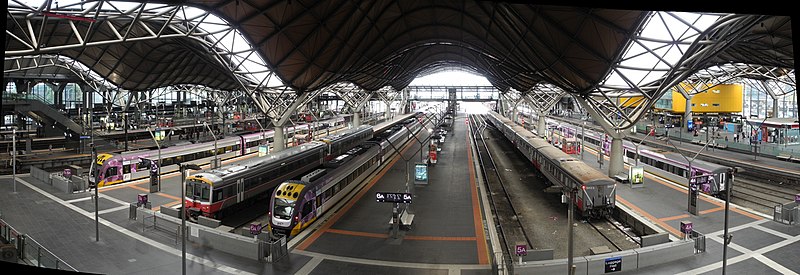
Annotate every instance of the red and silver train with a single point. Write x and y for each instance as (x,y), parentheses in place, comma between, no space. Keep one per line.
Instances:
(216,192)
(595,192)
(296,204)
(710,177)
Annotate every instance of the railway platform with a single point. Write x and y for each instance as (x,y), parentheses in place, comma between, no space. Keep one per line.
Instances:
(759,245)
(446,235)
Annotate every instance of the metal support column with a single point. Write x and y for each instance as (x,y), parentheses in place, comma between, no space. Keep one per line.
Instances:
(615,164)
(279,140)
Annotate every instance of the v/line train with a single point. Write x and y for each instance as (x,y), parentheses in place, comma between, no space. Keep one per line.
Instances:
(217,192)
(595,192)
(666,164)
(296,204)
(116,168)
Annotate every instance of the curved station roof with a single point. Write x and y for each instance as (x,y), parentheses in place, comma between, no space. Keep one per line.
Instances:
(309,45)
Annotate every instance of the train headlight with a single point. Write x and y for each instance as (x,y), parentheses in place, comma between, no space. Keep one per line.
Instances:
(583,187)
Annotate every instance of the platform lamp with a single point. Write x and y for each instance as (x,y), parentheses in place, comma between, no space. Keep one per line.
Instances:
(183,168)
(727,237)
(159,156)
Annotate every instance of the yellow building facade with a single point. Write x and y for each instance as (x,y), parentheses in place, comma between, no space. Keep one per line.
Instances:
(722,98)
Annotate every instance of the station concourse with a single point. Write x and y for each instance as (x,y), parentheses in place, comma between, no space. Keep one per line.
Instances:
(398,137)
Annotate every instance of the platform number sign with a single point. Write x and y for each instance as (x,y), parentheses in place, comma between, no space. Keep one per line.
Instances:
(613,264)
(522,250)
(255,228)
(687,227)
(466,121)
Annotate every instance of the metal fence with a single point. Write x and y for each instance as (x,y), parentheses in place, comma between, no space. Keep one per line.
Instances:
(787,213)
(274,250)
(29,251)
(699,242)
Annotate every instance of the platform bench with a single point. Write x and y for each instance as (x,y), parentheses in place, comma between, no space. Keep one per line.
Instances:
(784,156)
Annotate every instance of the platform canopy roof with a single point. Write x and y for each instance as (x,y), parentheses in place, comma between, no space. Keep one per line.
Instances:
(310,44)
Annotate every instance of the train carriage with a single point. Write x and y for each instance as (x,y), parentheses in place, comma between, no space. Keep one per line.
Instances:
(218,191)
(296,204)
(116,168)
(668,164)
(595,191)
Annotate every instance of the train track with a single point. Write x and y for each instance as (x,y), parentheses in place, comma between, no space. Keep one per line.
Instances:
(761,196)
(612,224)
(511,230)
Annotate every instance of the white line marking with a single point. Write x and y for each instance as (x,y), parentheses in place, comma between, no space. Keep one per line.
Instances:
(773,232)
(772,264)
(79,199)
(737,228)
(134,235)
(745,256)
(308,267)
(118,201)
(118,208)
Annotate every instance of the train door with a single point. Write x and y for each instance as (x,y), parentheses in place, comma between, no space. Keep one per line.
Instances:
(126,170)
(240,190)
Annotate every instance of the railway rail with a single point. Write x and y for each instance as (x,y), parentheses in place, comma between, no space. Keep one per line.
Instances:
(511,229)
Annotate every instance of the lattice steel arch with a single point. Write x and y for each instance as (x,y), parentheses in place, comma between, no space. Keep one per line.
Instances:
(198,40)
(617,106)
(60,64)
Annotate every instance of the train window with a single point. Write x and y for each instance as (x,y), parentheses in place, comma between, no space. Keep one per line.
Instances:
(307,207)
(189,188)
(112,171)
(205,194)
(219,195)
(142,166)
(126,169)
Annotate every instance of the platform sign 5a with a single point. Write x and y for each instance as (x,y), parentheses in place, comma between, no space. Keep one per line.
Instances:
(613,264)
(393,197)
(521,249)
(255,228)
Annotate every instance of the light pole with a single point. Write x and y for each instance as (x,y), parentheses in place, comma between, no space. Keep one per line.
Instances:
(726,236)
(216,159)
(183,212)
(159,157)
(96,195)
(14,158)
(570,267)
(583,137)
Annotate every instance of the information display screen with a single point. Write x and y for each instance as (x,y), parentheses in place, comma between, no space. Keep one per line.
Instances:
(393,197)
(636,174)
(421,172)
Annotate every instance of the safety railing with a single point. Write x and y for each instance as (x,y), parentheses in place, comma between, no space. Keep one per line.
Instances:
(29,251)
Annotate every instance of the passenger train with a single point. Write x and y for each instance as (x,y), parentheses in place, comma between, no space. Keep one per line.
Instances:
(296,204)
(596,192)
(116,168)
(664,163)
(217,192)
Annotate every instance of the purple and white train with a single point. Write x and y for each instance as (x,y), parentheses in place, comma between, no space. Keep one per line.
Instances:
(116,168)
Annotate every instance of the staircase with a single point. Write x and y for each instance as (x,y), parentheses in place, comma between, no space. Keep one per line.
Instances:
(41,112)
